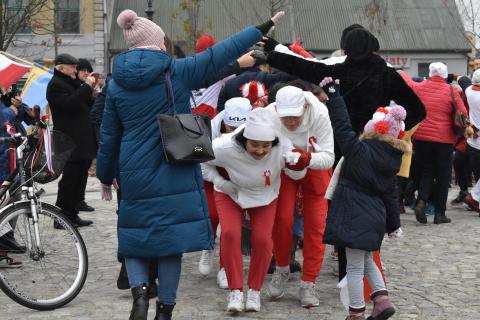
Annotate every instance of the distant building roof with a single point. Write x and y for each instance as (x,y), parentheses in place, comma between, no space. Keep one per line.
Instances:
(421,25)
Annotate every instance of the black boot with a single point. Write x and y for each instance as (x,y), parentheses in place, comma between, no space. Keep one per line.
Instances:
(164,311)
(294,264)
(441,218)
(140,303)
(461,196)
(122,280)
(420,212)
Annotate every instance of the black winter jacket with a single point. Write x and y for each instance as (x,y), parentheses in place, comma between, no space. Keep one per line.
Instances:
(365,86)
(69,104)
(364,205)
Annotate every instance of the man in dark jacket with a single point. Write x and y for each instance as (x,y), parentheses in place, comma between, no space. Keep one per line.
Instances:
(68,102)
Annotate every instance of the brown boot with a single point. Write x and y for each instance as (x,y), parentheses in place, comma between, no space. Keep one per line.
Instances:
(356,314)
(383,308)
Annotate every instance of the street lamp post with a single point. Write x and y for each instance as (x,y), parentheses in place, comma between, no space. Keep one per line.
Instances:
(149,10)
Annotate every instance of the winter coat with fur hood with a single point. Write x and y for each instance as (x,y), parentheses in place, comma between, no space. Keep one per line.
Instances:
(364,206)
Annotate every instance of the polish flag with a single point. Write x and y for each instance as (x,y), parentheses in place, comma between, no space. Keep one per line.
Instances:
(11,71)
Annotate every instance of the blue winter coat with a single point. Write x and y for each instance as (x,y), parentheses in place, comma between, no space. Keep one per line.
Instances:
(163,210)
(364,205)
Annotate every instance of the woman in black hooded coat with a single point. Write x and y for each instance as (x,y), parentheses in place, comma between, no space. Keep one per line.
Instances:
(365,79)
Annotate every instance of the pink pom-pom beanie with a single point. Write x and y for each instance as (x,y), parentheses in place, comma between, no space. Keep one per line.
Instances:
(139,31)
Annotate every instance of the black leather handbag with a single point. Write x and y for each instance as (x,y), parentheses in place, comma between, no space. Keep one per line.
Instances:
(186,138)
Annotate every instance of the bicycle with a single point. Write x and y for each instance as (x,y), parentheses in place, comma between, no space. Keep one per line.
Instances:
(54,261)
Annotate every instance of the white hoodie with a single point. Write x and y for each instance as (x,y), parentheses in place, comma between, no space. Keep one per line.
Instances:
(315,134)
(249,176)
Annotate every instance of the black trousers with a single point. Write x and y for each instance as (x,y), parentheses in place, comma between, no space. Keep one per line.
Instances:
(84,182)
(462,169)
(474,161)
(435,164)
(71,185)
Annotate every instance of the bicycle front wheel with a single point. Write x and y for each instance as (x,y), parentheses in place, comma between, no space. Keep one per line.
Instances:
(40,270)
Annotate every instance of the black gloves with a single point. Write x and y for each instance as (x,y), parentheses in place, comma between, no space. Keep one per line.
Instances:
(270,44)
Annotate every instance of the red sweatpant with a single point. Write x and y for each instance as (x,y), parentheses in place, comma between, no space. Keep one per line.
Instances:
(261,220)
(212,209)
(315,207)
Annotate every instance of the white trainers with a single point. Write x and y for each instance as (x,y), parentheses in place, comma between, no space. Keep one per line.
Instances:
(276,287)
(206,262)
(235,301)
(222,279)
(307,295)
(253,301)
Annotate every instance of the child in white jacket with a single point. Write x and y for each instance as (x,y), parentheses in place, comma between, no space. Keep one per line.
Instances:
(253,157)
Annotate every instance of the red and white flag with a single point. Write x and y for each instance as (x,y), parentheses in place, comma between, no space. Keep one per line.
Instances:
(11,71)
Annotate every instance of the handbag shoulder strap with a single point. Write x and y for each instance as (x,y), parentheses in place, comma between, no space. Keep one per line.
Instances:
(171,96)
(454,104)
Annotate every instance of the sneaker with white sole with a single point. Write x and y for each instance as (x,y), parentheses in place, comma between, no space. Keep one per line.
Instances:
(253,301)
(235,301)
(206,262)
(222,279)
(307,295)
(276,287)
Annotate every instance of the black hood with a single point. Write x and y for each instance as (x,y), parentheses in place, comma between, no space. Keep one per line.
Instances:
(360,45)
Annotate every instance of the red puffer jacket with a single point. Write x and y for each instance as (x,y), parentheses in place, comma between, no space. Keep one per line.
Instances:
(435,95)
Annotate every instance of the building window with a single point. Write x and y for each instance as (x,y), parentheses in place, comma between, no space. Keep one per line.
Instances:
(15,9)
(68,16)
(423,69)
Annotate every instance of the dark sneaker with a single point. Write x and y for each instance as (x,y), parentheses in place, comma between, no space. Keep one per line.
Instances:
(79,222)
(441,219)
(83,206)
(460,197)
(420,212)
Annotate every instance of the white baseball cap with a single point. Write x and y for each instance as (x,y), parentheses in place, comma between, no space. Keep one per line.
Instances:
(289,101)
(260,125)
(236,111)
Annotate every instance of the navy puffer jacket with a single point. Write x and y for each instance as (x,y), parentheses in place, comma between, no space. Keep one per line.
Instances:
(163,210)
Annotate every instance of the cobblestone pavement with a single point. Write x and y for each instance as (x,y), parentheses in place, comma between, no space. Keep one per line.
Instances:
(433,273)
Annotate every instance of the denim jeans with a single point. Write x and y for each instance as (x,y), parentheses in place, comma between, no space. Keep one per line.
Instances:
(298,226)
(359,263)
(168,275)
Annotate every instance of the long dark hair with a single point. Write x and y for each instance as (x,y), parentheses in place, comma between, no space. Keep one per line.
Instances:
(243,141)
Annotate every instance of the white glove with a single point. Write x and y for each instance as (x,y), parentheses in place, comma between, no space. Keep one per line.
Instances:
(106,192)
(291,157)
(279,15)
(396,234)
(227,187)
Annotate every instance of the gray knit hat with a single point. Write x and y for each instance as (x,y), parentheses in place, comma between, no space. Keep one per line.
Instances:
(139,31)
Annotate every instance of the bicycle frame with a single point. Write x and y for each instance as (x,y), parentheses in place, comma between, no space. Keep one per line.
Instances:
(20,178)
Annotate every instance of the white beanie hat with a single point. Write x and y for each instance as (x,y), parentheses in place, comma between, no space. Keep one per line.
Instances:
(290,101)
(260,125)
(476,78)
(236,111)
(438,69)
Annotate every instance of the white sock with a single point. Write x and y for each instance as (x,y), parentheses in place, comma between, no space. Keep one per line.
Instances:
(283,269)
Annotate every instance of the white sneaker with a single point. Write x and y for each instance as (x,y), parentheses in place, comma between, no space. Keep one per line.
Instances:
(308,295)
(276,287)
(253,301)
(222,279)
(235,301)
(206,262)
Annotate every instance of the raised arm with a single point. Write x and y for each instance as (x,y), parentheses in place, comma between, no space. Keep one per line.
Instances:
(403,95)
(307,70)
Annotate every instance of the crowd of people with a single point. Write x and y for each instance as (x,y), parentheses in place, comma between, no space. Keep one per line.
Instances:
(326,152)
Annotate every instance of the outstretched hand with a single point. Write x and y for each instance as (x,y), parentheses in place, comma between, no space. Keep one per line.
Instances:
(331,87)
(266,26)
